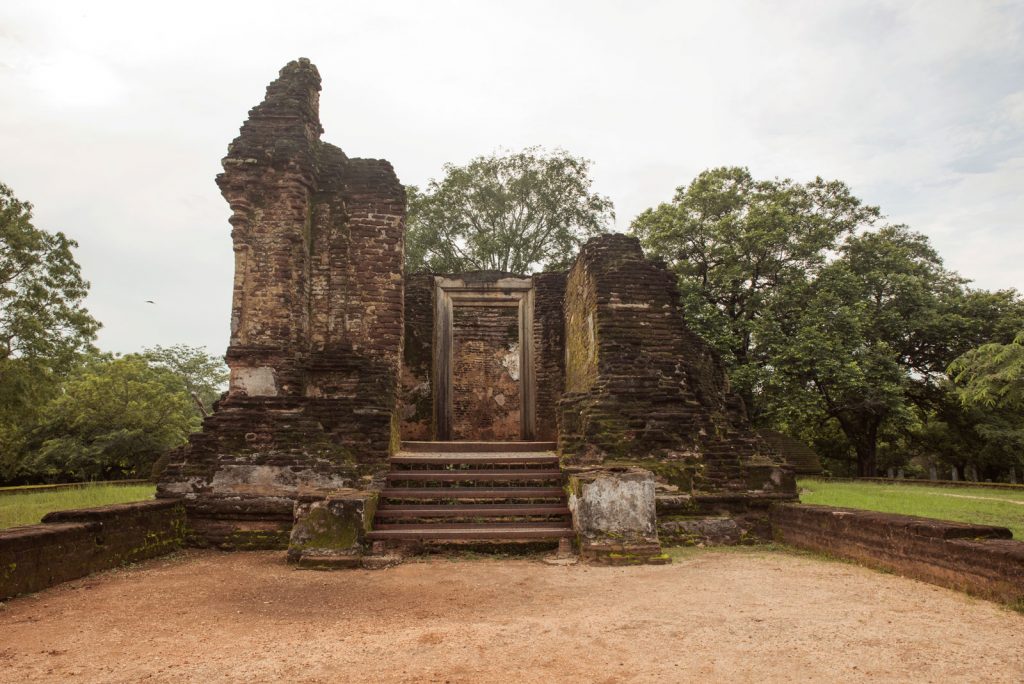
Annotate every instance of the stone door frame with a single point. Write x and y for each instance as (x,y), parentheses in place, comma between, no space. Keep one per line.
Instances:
(511,292)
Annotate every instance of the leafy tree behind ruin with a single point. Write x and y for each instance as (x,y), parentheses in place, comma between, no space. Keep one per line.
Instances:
(42,316)
(870,337)
(44,325)
(68,412)
(113,418)
(203,376)
(739,243)
(515,213)
(834,326)
(992,375)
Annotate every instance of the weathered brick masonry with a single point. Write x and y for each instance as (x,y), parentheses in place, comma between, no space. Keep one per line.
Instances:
(549,347)
(418,361)
(979,559)
(486,373)
(642,390)
(71,544)
(316,326)
(480,323)
(334,353)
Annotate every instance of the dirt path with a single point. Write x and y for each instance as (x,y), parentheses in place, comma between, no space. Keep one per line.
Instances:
(982,498)
(712,616)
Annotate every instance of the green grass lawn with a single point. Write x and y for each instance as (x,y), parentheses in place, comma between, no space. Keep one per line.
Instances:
(964,504)
(30,507)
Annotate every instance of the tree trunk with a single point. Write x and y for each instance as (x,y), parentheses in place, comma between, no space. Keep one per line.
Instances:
(862,431)
(867,458)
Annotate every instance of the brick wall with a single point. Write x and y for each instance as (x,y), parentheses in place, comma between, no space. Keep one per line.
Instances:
(979,559)
(549,349)
(316,328)
(417,400)
(75,543)
(485,373)
(641,388)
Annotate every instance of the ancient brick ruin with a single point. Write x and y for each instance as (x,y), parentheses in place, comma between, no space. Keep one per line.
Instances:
(371,411)
(368,405)
(316,326)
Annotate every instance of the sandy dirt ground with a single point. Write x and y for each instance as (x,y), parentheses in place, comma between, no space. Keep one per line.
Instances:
(711,616)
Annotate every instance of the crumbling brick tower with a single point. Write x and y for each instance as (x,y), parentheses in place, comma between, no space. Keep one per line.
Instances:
(644,393)
(316,326)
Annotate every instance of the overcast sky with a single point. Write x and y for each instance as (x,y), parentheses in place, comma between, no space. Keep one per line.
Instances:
(114,116)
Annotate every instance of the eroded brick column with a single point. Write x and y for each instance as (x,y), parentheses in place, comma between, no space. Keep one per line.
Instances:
(316,327)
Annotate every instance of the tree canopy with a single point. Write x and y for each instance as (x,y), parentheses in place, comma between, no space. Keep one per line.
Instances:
(67,411)
(114,418)
(42,316)
(513,213)
(738,243)
(44,326)
(992,375)
(835,326)
(867,336)
(203,376)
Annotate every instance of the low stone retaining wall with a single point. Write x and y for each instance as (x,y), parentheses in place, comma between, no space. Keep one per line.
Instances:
(35,489)
(978,559)
(74,543)
(926,483)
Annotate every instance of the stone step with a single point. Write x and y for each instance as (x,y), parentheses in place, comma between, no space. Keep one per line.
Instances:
(426,511)
(480,493)
(473,532)
(474,524)
(474,458)
(478,447)
(478,475)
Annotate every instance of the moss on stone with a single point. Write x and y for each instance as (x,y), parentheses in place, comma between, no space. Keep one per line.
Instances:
(678,473)
(395,443)
(256,540)
(328,531)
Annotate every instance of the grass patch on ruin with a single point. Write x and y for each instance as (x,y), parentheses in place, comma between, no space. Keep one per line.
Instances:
(976,505)
(28,508)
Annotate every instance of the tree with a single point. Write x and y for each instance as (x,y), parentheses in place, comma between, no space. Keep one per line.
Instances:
(992,375)
(513,213)
(958,434)
(44,326)
(871,336)
(832,327)
(113,419)
(738,243)
(41,290)
(202,375)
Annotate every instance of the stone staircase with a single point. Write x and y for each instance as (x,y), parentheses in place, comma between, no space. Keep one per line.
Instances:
(473,492)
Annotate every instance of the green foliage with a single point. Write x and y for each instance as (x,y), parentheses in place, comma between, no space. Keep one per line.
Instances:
(865,336)
(44,326)
(204,376)
(66,411)
(738,243)
(992,375)
(513,213)
(951,433)
(41,290)
(834,329)
(113,419)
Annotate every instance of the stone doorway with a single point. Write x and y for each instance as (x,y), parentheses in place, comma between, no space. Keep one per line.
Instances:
(483,358)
